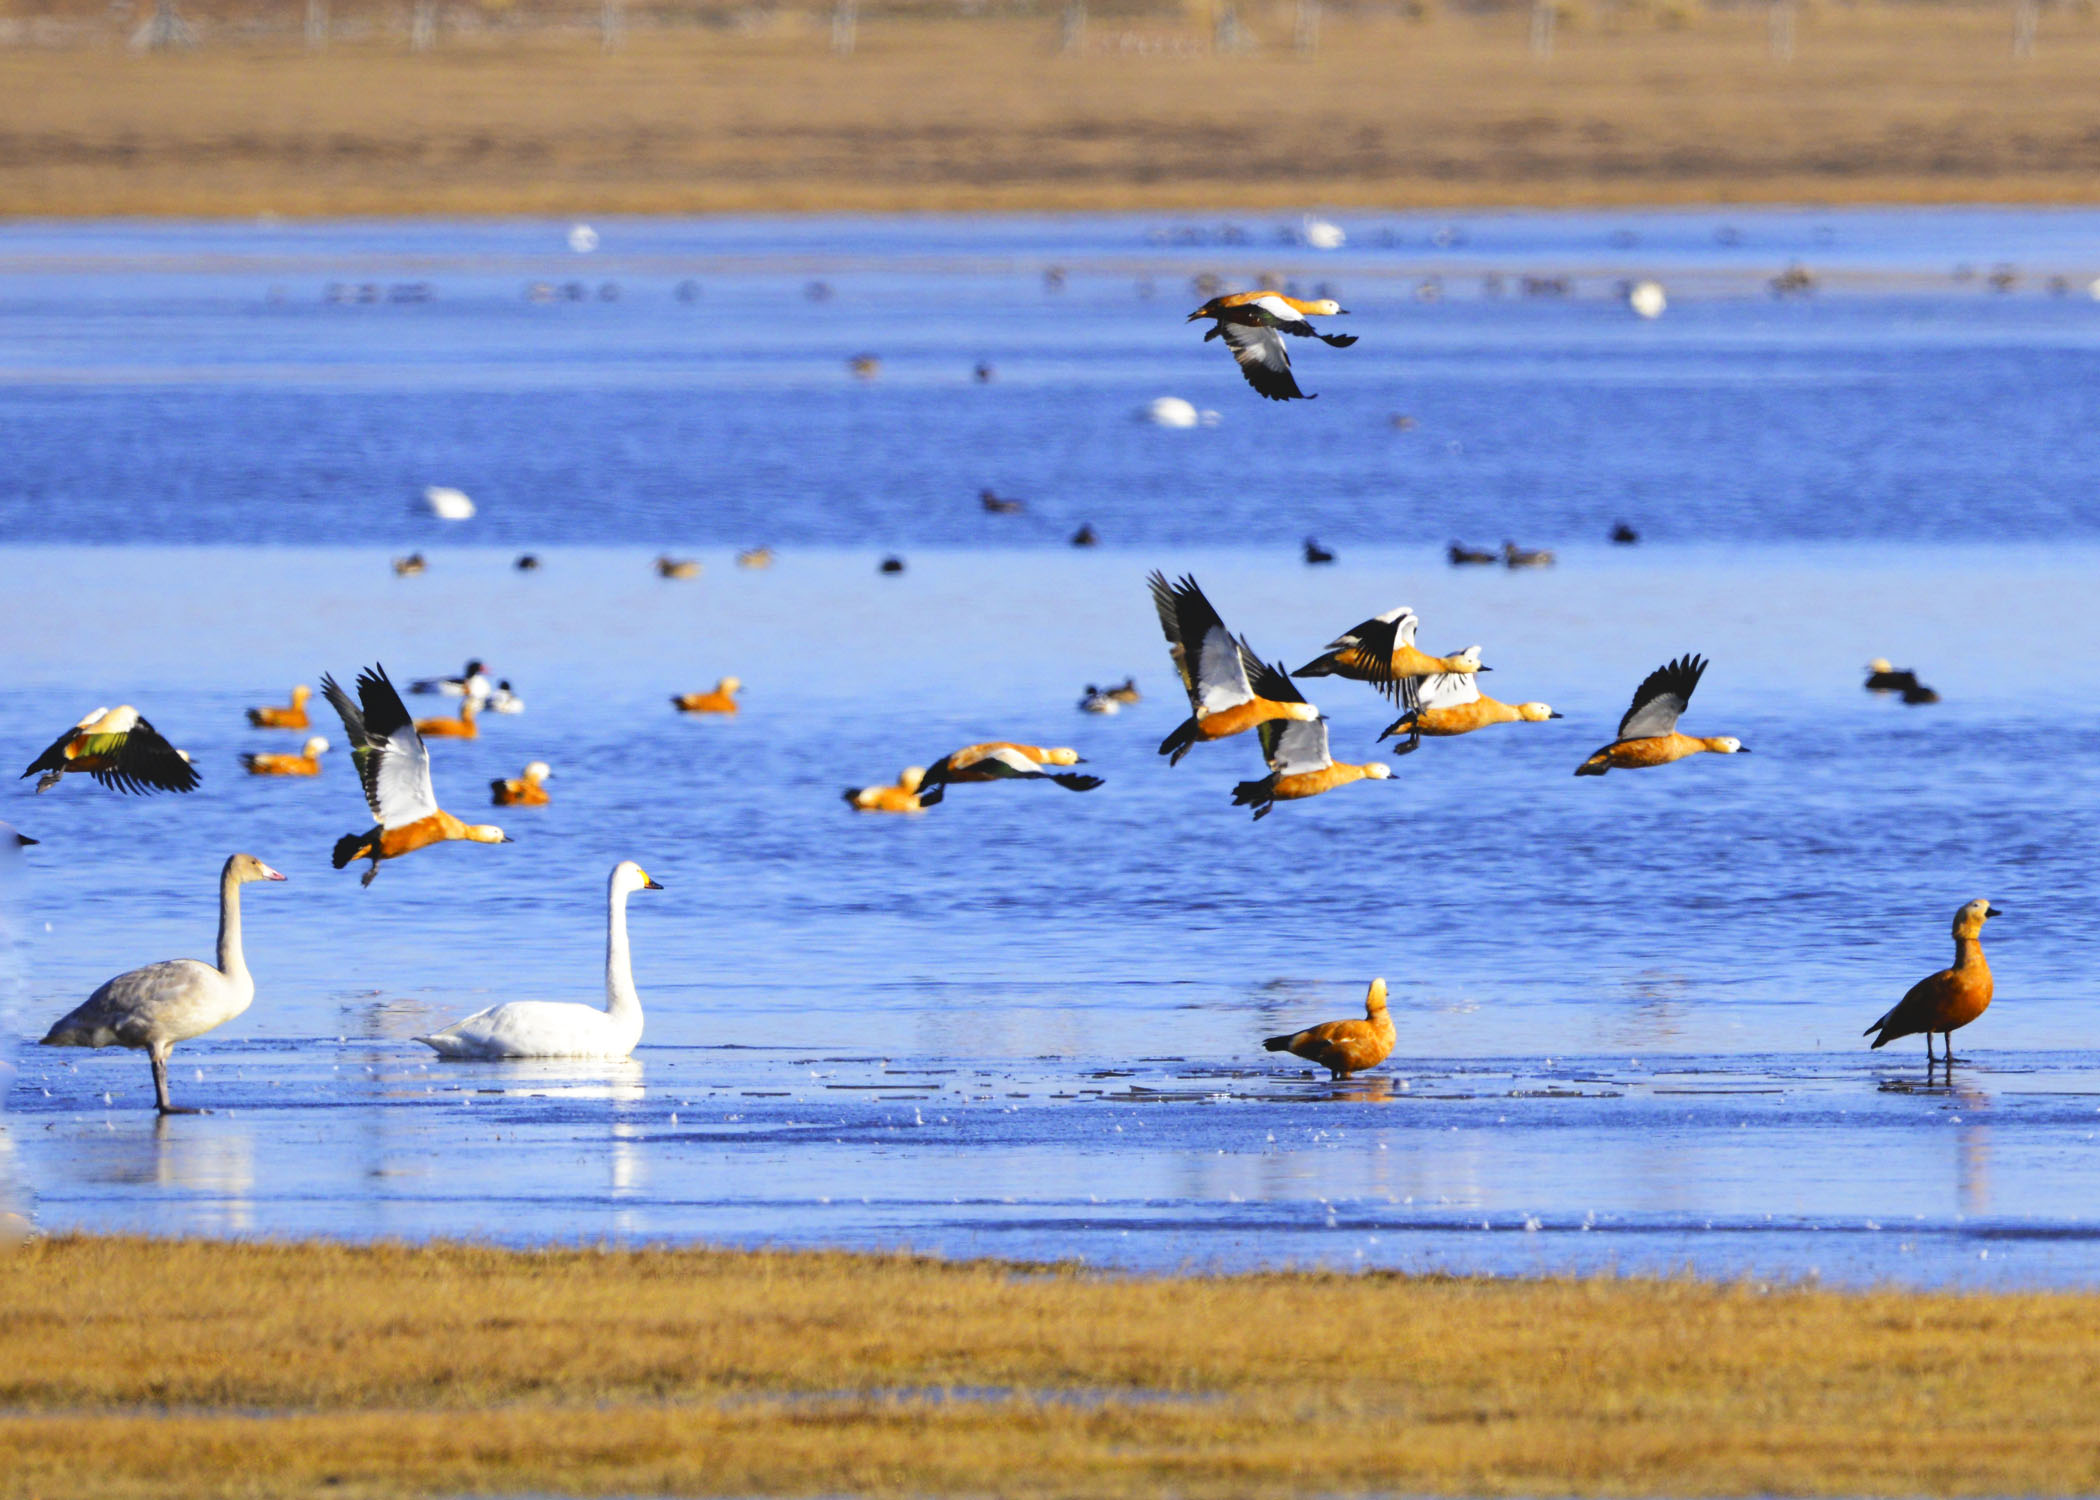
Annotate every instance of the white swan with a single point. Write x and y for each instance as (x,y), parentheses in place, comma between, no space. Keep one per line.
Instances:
(162,1004)
(547,1028)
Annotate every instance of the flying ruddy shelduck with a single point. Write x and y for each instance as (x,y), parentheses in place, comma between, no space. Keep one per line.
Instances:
(528,790)
(903,797)
(394,766)
(1231,690)
(1345,1047)
(118,748)
(294,717)
(1300,766)
(1452,703)
(155,1007)
(1382,652)
(1003,760)
(720,700)
(1254,324)
(1949,1000)
(306,763)
(1648,734)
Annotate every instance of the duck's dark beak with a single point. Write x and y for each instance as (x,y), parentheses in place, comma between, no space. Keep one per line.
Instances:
(1992,911)
(25,840)
(650,885)
(1742,749)
(1556,716)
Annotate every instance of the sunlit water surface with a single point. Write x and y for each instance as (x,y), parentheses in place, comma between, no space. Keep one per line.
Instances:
(1028,1022)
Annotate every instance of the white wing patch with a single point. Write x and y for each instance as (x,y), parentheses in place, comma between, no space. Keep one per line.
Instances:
(1221,678)
(1301,748)
(401,786)
(1447,690)
(1277,308)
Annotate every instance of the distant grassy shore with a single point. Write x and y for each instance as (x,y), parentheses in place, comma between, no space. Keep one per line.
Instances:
(197,1368)
(1641,102)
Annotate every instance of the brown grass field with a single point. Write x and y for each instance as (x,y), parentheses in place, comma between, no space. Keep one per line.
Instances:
(193,1368)
(1637,105)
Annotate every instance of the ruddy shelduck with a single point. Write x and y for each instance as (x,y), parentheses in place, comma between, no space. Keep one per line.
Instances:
(1253,325)
(1300,766)
(1231,690)
(677,567)
(1452,703)
(121,750)
(1949,1000)
(409,566)
(1125,691)
(527,790)
(1648,734)
(1345,1047)
(153,1008)
(393,764)
(722,700)
(1382,652)
(903,797)
(306,763)
(755,557)
(1003,760)
(294,717)
(461,728)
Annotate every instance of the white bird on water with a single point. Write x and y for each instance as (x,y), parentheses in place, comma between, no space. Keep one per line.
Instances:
(548,1028)
(447,503)
(165,1003)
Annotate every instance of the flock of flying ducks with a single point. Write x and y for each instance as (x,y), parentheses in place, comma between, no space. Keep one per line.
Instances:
(1230,690)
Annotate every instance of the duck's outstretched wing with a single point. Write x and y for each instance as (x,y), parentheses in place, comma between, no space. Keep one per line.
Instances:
(54,757)
(1662,698)
(1447,690)
(1267,680)
(1203,650)
(1296,747)
(1263,359)
(392,763)
(1369,647)
(140,760)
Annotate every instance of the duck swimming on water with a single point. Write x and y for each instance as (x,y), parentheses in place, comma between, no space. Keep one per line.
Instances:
(461,728)
(1345,1047)
(1883,678)
(293,717)
(1648,734)
(1231,690)
(306,763)
(903,797)
(1949,1000)
(721,700)
(527,790)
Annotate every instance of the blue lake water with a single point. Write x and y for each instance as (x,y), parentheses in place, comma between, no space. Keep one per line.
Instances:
(1028,1022)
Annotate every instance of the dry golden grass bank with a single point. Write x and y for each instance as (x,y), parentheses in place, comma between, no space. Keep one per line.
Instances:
(198,1368)
(1918,103)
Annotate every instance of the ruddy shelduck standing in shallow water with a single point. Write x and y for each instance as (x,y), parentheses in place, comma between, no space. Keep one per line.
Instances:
(903,797)
(1452,703)
(1949,1000)
(1253,325)
(722,700)
(294,717)
(119,749)
(528,790)
(306,763)
(1300,766)
(1230,689)
(1345,1047)
(1003,760)
(1648,734)
(394,766)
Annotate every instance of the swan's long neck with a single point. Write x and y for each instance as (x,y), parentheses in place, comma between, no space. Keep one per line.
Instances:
(621,1002)
(231,963)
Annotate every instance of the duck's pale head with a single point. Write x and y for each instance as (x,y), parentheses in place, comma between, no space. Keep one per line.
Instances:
(1535,713)
(1727,744)
(730,685)
(1061,756)
(1377,770)
(539,770)
(1880,664)
(1969,920)
(1326,307)
(911,777)
(313,747)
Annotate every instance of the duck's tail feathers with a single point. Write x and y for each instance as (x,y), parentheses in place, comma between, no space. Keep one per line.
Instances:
(351,846)
(1259,795)
(1319,666)
(1177,744)
(1881,1026)
(1407,723)
(1596,765)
